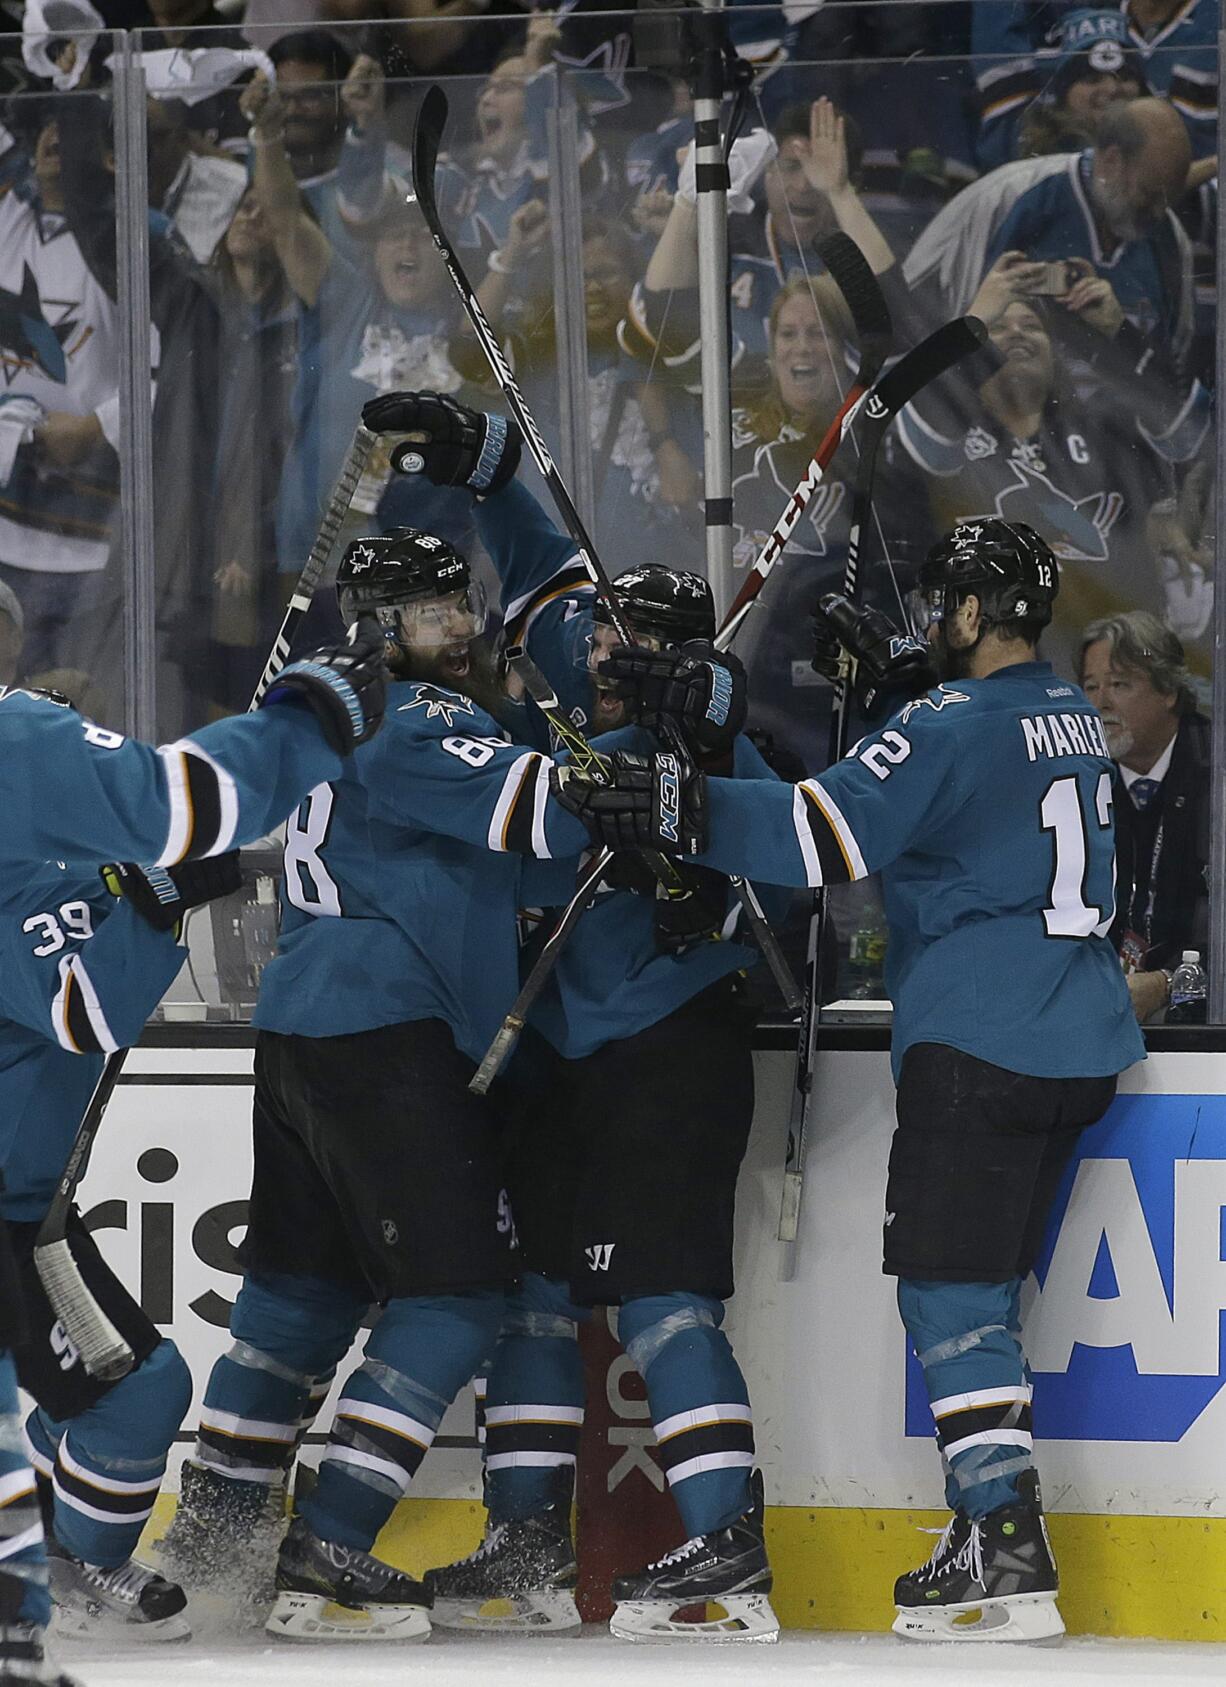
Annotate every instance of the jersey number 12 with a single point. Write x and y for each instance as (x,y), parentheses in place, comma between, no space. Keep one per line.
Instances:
(1062,813)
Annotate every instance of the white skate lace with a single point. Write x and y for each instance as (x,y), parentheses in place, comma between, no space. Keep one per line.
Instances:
(124,1581)
(679,1554)
(969,1555)
(488,1545)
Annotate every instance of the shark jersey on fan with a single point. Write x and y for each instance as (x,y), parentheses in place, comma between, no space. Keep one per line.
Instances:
(611,980)
(80,972)
(986,806)
(404,877)
(59,345)
(75,792)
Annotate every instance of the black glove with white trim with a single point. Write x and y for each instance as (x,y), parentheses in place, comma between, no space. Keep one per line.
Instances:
(162,895)
(886,667)
(698,688)
(345,684)
(448,442)
(650,802)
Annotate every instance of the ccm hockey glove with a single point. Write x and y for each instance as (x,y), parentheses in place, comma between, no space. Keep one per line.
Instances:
(451,444)
(886,667)
(649,802)
(162,895)
(700,690)
(345,684)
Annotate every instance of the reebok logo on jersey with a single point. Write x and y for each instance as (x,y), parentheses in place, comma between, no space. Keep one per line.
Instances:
(599,1255)
(943,700)
(435,701)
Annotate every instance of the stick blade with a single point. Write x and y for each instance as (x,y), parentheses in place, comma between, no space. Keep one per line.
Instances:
(860,288)
(428,127)
(924,363)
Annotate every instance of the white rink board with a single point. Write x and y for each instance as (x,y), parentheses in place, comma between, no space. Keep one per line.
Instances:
(823,1351)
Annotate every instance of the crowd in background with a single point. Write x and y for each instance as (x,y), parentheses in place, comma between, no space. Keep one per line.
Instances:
(1049,167)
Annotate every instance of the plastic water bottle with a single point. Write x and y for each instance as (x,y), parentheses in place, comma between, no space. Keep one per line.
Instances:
(866,960)
(1189,990)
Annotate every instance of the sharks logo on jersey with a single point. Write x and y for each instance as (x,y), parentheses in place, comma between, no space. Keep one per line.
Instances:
(1077,529)
(437,702)
(28,340)
(945,697)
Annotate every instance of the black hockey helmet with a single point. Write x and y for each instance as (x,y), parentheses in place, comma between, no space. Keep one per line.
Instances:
(1005,564)
(666,603)
(383,574)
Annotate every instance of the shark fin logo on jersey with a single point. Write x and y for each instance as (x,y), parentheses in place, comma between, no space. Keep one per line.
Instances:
(27,339)
(1077,529)
(945,697)
(437,702)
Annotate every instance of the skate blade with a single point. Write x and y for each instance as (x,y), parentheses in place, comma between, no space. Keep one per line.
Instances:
(739,1619)
(312,1616)
(95,1623)
(522,1613)
(1024,1617)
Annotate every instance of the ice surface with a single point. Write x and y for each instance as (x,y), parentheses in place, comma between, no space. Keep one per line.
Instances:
(593,1660)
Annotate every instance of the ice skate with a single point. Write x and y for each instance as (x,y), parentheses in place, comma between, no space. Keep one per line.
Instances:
(127,1603)
(23,1662)
(326,1591)
(224,1535)
(727,1569)
(521,1579)
(991,1579)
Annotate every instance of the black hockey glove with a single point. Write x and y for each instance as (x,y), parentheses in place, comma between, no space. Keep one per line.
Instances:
(345,684)
(651,802)
(698,688)
(693,914)
(448,442)
(162,895)
(886,667)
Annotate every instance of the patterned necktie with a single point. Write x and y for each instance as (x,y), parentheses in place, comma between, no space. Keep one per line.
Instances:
(1143,792)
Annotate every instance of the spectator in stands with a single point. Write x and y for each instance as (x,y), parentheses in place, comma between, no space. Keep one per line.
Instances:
(1132,668)
(365,328)
(1010,434)
(1110,205)
(195,189)
(1172,44)
(312,66)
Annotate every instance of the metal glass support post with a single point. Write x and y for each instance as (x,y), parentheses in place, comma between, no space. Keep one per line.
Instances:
(569,302)
(1217,828)
(135,391)
(711,174)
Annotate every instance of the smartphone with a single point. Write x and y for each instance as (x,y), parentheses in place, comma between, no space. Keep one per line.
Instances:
(1055,280)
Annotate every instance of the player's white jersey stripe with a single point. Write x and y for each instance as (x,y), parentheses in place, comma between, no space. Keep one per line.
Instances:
(495,1415)
(76,995)
(109,1484)
(98,1513)
(395,1473)
(42,1464)
(179,831)
(264,1474)
(227,800)
(203,803)
(249,1429)
(842,831)
(710,1461)
(18,1543)
(804,837)
(16,1483)
(400,1423)
(700,1416)
(511,787)
(540,797)
(990,1438)
(1017,1393)
(529,1459)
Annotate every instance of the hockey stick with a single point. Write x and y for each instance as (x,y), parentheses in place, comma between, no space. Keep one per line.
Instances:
(871,317)
(923,364)
(104,1352)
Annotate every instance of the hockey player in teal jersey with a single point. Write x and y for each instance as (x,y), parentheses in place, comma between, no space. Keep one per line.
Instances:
(636,1102)
(378,1174)
(74,792)
(985,804)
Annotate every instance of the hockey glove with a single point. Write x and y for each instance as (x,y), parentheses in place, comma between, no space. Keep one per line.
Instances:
(693,914)
(162,895)
(886,667)
(345,684)
(448,443)
(700,690)
(651,802)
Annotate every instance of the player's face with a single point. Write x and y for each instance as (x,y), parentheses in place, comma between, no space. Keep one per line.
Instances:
(608,709)
(438,634)
(1140,720)
(800,358)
